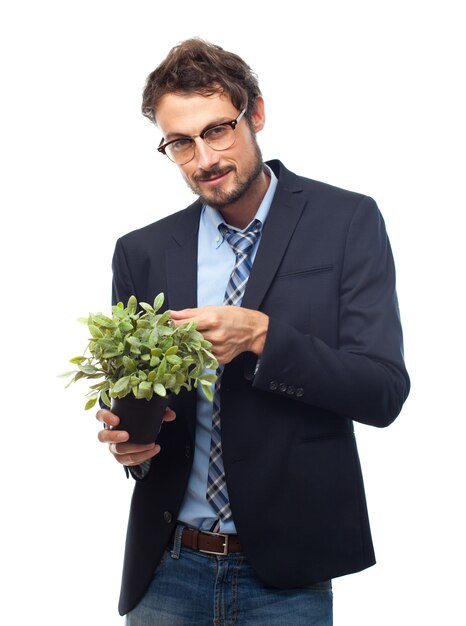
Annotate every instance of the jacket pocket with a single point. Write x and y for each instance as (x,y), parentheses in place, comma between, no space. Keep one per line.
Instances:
(305,271)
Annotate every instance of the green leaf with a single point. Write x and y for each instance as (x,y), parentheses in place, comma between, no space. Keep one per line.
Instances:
(122,385)
(77,377)
(211,364)
(163,319)
(162,369)
(134,343)
(165,331)
(132,305)
(99,386)
(146,307)
(103,320)
(125,326)
(90,403)
(129,364)
(118,311)
(110,354)
(207,390)
(166,344)
(158,301)
(77,359)
(187,327)
(95,332)
(180,377)
(88,369)
(210,378)
(160,390)
(105,398)
(173,359)
(145,386)
(170,381)
(153,337)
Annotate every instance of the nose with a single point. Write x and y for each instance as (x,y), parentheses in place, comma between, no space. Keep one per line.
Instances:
(205,156)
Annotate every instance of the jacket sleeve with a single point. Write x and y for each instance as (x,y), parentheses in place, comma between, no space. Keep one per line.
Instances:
(364,376)
(122,284)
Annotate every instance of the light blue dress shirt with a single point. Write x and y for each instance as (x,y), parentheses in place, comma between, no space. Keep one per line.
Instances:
(215,261)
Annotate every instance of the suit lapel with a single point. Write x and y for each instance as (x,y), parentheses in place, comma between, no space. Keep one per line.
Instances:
(284,214)
(181,260)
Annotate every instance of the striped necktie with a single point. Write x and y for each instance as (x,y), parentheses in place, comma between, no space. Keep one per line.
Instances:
(241,244)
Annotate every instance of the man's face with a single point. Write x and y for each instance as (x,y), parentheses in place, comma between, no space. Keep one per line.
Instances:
(220,178)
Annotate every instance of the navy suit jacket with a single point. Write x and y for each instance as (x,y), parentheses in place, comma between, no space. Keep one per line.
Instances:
(324,274)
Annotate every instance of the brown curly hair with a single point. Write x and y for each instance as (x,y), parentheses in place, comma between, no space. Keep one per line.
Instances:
(197,66)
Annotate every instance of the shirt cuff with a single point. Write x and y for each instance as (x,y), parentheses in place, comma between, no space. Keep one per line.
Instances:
(139,471)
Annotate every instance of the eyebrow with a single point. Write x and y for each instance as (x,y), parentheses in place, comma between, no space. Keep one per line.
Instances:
(175,135)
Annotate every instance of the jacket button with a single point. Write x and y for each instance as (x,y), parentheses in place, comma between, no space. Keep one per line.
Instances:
(299,392)
(290,390)
(283,387)
(273,385)
(187,452)
(168,517)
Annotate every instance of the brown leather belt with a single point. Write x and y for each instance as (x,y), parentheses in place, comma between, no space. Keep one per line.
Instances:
(210,543)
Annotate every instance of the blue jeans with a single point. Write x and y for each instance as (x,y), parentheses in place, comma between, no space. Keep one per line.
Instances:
(203,590)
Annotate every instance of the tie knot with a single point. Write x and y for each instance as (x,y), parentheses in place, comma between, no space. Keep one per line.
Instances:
(241,243)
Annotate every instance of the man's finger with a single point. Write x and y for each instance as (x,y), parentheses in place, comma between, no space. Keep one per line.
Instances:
(169,415)
(112,436)
(184,316)
(129,448)
(128,455)
(107,417)
(183,313)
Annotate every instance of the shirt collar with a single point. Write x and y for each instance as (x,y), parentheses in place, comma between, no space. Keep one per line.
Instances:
(212,218)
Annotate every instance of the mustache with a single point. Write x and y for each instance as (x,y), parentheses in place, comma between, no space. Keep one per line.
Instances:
(215,172)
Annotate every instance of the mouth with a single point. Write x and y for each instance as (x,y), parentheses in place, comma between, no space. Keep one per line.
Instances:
(215,178)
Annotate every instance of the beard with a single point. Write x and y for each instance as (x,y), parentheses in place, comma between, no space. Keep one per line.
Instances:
(219,198)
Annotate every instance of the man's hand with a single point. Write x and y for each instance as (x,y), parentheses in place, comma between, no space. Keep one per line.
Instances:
(230,329)
(127,453)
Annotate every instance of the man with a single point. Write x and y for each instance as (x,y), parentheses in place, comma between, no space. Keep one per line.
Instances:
(247,507)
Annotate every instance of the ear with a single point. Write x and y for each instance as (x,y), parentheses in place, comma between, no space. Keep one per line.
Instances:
(258,116)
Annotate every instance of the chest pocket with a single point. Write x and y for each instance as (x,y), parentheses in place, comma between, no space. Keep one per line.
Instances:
(304,271)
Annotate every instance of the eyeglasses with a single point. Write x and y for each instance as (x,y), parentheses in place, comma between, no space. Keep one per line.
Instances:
(218,137)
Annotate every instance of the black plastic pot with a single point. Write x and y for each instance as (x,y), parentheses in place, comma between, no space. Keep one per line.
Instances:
(142,419)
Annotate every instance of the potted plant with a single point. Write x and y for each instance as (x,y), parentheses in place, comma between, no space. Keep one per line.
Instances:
(142,358)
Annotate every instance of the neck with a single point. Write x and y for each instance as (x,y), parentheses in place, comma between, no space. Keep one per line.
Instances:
(241,212)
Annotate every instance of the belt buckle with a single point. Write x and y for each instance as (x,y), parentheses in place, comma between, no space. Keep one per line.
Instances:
(225,544)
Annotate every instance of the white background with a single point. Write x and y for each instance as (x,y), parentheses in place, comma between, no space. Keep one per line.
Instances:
(368,96)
